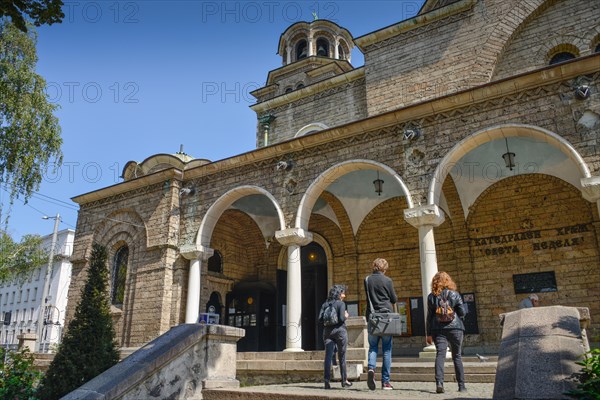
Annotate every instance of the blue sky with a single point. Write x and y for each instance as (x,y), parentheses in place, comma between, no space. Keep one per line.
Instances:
(136,78)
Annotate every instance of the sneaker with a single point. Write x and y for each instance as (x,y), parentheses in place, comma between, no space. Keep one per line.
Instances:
(439,388)
(371,379)
(387,386)
(327,385)
(462,388)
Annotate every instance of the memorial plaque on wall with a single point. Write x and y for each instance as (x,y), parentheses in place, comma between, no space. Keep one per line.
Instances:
(535,282)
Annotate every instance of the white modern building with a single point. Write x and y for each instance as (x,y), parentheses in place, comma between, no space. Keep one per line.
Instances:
(20,301)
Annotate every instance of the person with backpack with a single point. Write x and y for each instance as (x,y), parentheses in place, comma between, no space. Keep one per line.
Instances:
(445,312)
(333,316)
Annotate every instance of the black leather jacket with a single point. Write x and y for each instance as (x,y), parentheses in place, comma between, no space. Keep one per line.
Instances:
(457,305)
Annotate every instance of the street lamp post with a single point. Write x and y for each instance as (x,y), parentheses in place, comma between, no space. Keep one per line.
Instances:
(40,322)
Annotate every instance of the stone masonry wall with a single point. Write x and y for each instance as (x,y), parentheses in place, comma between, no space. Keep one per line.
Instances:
(526,52)
(144,221)
(462,50)
(561,237)
(332,107)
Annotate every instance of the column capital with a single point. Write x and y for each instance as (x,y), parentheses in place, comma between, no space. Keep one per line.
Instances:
(429,214)
(195,252)
(590,188)
(292,236)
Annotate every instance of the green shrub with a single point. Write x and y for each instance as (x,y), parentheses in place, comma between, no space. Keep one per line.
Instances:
(588,387)
(18,378)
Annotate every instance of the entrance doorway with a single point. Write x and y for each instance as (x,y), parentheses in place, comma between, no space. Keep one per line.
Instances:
(314,293)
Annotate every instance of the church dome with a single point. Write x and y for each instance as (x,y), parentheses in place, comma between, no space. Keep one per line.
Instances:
(319,38)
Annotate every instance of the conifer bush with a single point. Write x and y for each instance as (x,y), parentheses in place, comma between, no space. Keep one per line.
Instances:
(88,348)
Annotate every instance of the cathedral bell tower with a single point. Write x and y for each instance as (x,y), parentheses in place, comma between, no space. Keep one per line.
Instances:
(311,52)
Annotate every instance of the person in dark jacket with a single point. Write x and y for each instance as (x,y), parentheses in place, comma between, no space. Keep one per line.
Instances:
(380,290)
(444,333)
(335,335)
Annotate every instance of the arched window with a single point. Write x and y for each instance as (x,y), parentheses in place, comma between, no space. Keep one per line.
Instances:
(341,52)
(322,47)
(215,263)
(561,57)
(119,273)
(288,89)
(301,50)
(300,86)
(597,49)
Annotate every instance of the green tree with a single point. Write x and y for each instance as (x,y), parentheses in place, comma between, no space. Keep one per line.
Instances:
(29,132)
(18,260)
(18,376)
(37,11)
(88,347)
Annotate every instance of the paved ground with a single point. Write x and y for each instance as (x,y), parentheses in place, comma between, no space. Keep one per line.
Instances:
(359,390)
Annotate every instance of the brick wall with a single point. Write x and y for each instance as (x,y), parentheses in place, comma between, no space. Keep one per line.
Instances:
(332,107)
(564,240)
(559,22)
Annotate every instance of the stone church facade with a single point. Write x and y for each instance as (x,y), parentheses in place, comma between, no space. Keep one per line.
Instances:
(468,142)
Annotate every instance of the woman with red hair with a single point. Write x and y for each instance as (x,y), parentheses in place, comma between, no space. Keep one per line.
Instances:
(445,311)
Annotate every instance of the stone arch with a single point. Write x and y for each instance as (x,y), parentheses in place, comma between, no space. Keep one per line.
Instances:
(499,132)
(223,203)
(119,228)
(124,222)
(322,181)
(310,128)
(559,44)
(592,38)
(510,25)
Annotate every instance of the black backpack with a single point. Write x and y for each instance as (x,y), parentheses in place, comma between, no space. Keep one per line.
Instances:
(444,312)
(330,315)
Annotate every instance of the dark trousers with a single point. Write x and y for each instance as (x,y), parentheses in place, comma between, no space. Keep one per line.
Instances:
(441,340)
(332,337)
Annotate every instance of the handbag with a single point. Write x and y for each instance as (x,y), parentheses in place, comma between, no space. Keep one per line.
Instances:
(382,323)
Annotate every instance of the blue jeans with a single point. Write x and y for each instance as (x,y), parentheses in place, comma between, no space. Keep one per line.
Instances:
(386,348)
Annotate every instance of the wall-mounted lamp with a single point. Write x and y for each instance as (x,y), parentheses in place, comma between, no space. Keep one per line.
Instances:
(378,185)
(509,158)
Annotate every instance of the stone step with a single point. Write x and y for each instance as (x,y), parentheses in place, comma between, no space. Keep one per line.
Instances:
(430,377)
(300,355)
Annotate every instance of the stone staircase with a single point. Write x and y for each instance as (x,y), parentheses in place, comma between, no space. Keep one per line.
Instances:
(268,368)
(420,370)
(265,368)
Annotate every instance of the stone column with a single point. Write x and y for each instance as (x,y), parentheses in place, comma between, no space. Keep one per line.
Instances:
(311,46)
(289,50)
(197,254)
(293,238)
(425,218)
(336,53)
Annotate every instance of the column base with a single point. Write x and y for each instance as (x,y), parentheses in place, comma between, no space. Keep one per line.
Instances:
(293,349)
(429,353)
